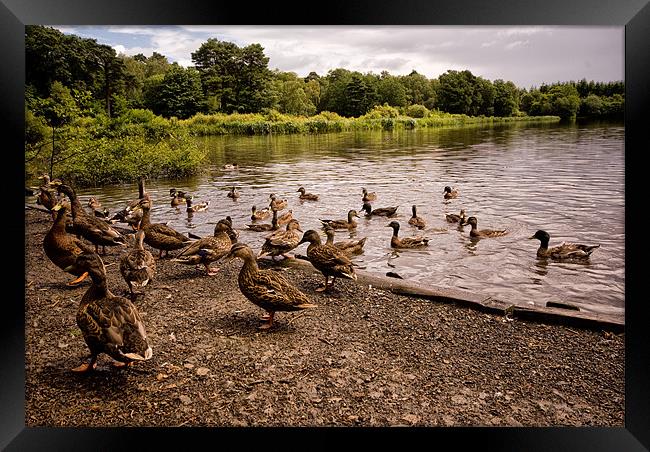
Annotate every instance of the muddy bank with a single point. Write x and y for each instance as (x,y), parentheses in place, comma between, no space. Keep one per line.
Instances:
(364,357)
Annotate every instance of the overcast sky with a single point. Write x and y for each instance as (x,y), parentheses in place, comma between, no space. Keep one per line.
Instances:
(528,56)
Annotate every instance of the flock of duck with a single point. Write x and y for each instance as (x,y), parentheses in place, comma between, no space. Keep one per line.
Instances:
(111,323)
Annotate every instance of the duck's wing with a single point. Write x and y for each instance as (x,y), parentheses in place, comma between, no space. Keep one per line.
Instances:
(272,288)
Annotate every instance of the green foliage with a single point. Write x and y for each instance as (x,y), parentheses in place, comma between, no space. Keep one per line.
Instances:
(381,111)
(179,93)
(417,111)
(391,91)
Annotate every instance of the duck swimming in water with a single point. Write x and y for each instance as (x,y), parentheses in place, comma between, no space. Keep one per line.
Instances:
(564,251)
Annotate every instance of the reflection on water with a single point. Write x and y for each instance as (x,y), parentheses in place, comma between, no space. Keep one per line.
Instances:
(567,180)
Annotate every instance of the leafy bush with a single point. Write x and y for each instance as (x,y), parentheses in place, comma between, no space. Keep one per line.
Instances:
(417,111)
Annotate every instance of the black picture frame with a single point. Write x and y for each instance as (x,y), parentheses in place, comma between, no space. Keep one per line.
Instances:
(633,14)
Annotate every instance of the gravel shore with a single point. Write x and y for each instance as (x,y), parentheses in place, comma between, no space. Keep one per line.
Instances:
(364,357)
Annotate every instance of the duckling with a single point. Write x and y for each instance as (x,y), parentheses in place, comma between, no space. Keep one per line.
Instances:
(260,214)
(406,242)
(63,249)
(565,251)
(367,197)
(281,242)
(208,249)
(178,197)
(137,266)
(285,218)
(90,227)
(191,208)
(453,218)
(448,193)
(277,204)
(109,324)
(230,166)
(416,221)
(267,289)
(343,224)
(307,196)
(95,206)
(158,235)
(483,233)
(266,227)
(381,212)
(233,193)
(329,260)
(349,247)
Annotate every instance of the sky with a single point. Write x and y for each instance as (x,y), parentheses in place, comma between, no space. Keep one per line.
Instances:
(525,55)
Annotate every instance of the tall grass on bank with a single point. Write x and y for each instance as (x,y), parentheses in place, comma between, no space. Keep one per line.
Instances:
(96,151)
(380,118)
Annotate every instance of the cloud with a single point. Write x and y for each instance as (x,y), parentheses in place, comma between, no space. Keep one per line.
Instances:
(514,44)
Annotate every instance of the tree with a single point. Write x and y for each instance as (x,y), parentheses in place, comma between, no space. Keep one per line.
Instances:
(457,92)
(418,88)
(290,96)
(179,93)
(506,99)
(564,100)
(391,91)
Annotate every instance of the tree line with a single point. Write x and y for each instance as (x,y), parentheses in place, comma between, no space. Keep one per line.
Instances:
(67,75)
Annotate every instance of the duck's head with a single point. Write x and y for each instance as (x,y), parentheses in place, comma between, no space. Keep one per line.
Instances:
(293,224)
(221,226)
(471,220)
(172,192)
(301,190)
(394,225)
(61,205)
(90,262)
(353,213)
(541,235)
(272,196)
(240,250)
(310,236)
(447,189)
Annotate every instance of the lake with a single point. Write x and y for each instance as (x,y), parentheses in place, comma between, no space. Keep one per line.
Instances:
(566,179)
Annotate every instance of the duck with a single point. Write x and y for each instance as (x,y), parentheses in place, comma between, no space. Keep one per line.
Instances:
(285,218)
(266,227)
(281,242)
(343,224)
(191,208)
(267,289)
(483,233)
(565,251)
(328,259)
(47,196)
(233,193)
(132,213)
(137,265)
(381,212)
(178,197)
(234,235)
(62,248)
(307,196)
(349,247)
(406,242)
(448,193)
(159,235)
(230,166)
(260,214)
(95,206)
(367,197)
(208,249)
(97,231)
(416,221)
(109,323)
(277,204)
(453,218)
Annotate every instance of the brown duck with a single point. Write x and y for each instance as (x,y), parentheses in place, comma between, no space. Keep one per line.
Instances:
(328,259)
(266,227)
(281,242)
(62,248)
(367,197)
(267,289)
(380,212)
(158,235)
(137,265)
(483,233)
(109,324)
(450,193)
(406,242)
(233,193)
(98,231)
(565,251)
(343,224)
(260,214)
(307,196)
(277,204)
(349,247)
(416,221)
(208,249)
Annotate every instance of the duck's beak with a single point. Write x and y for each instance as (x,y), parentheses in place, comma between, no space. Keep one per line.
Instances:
(298,229)
(529,238)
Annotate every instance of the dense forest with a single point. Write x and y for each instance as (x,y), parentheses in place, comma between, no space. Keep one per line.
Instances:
(78,91)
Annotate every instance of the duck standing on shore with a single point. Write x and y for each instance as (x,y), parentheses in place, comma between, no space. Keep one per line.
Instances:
(137,266)
(327,259)
(267,289)
(109,324)
(159,235)
(208,249)
(281,242)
